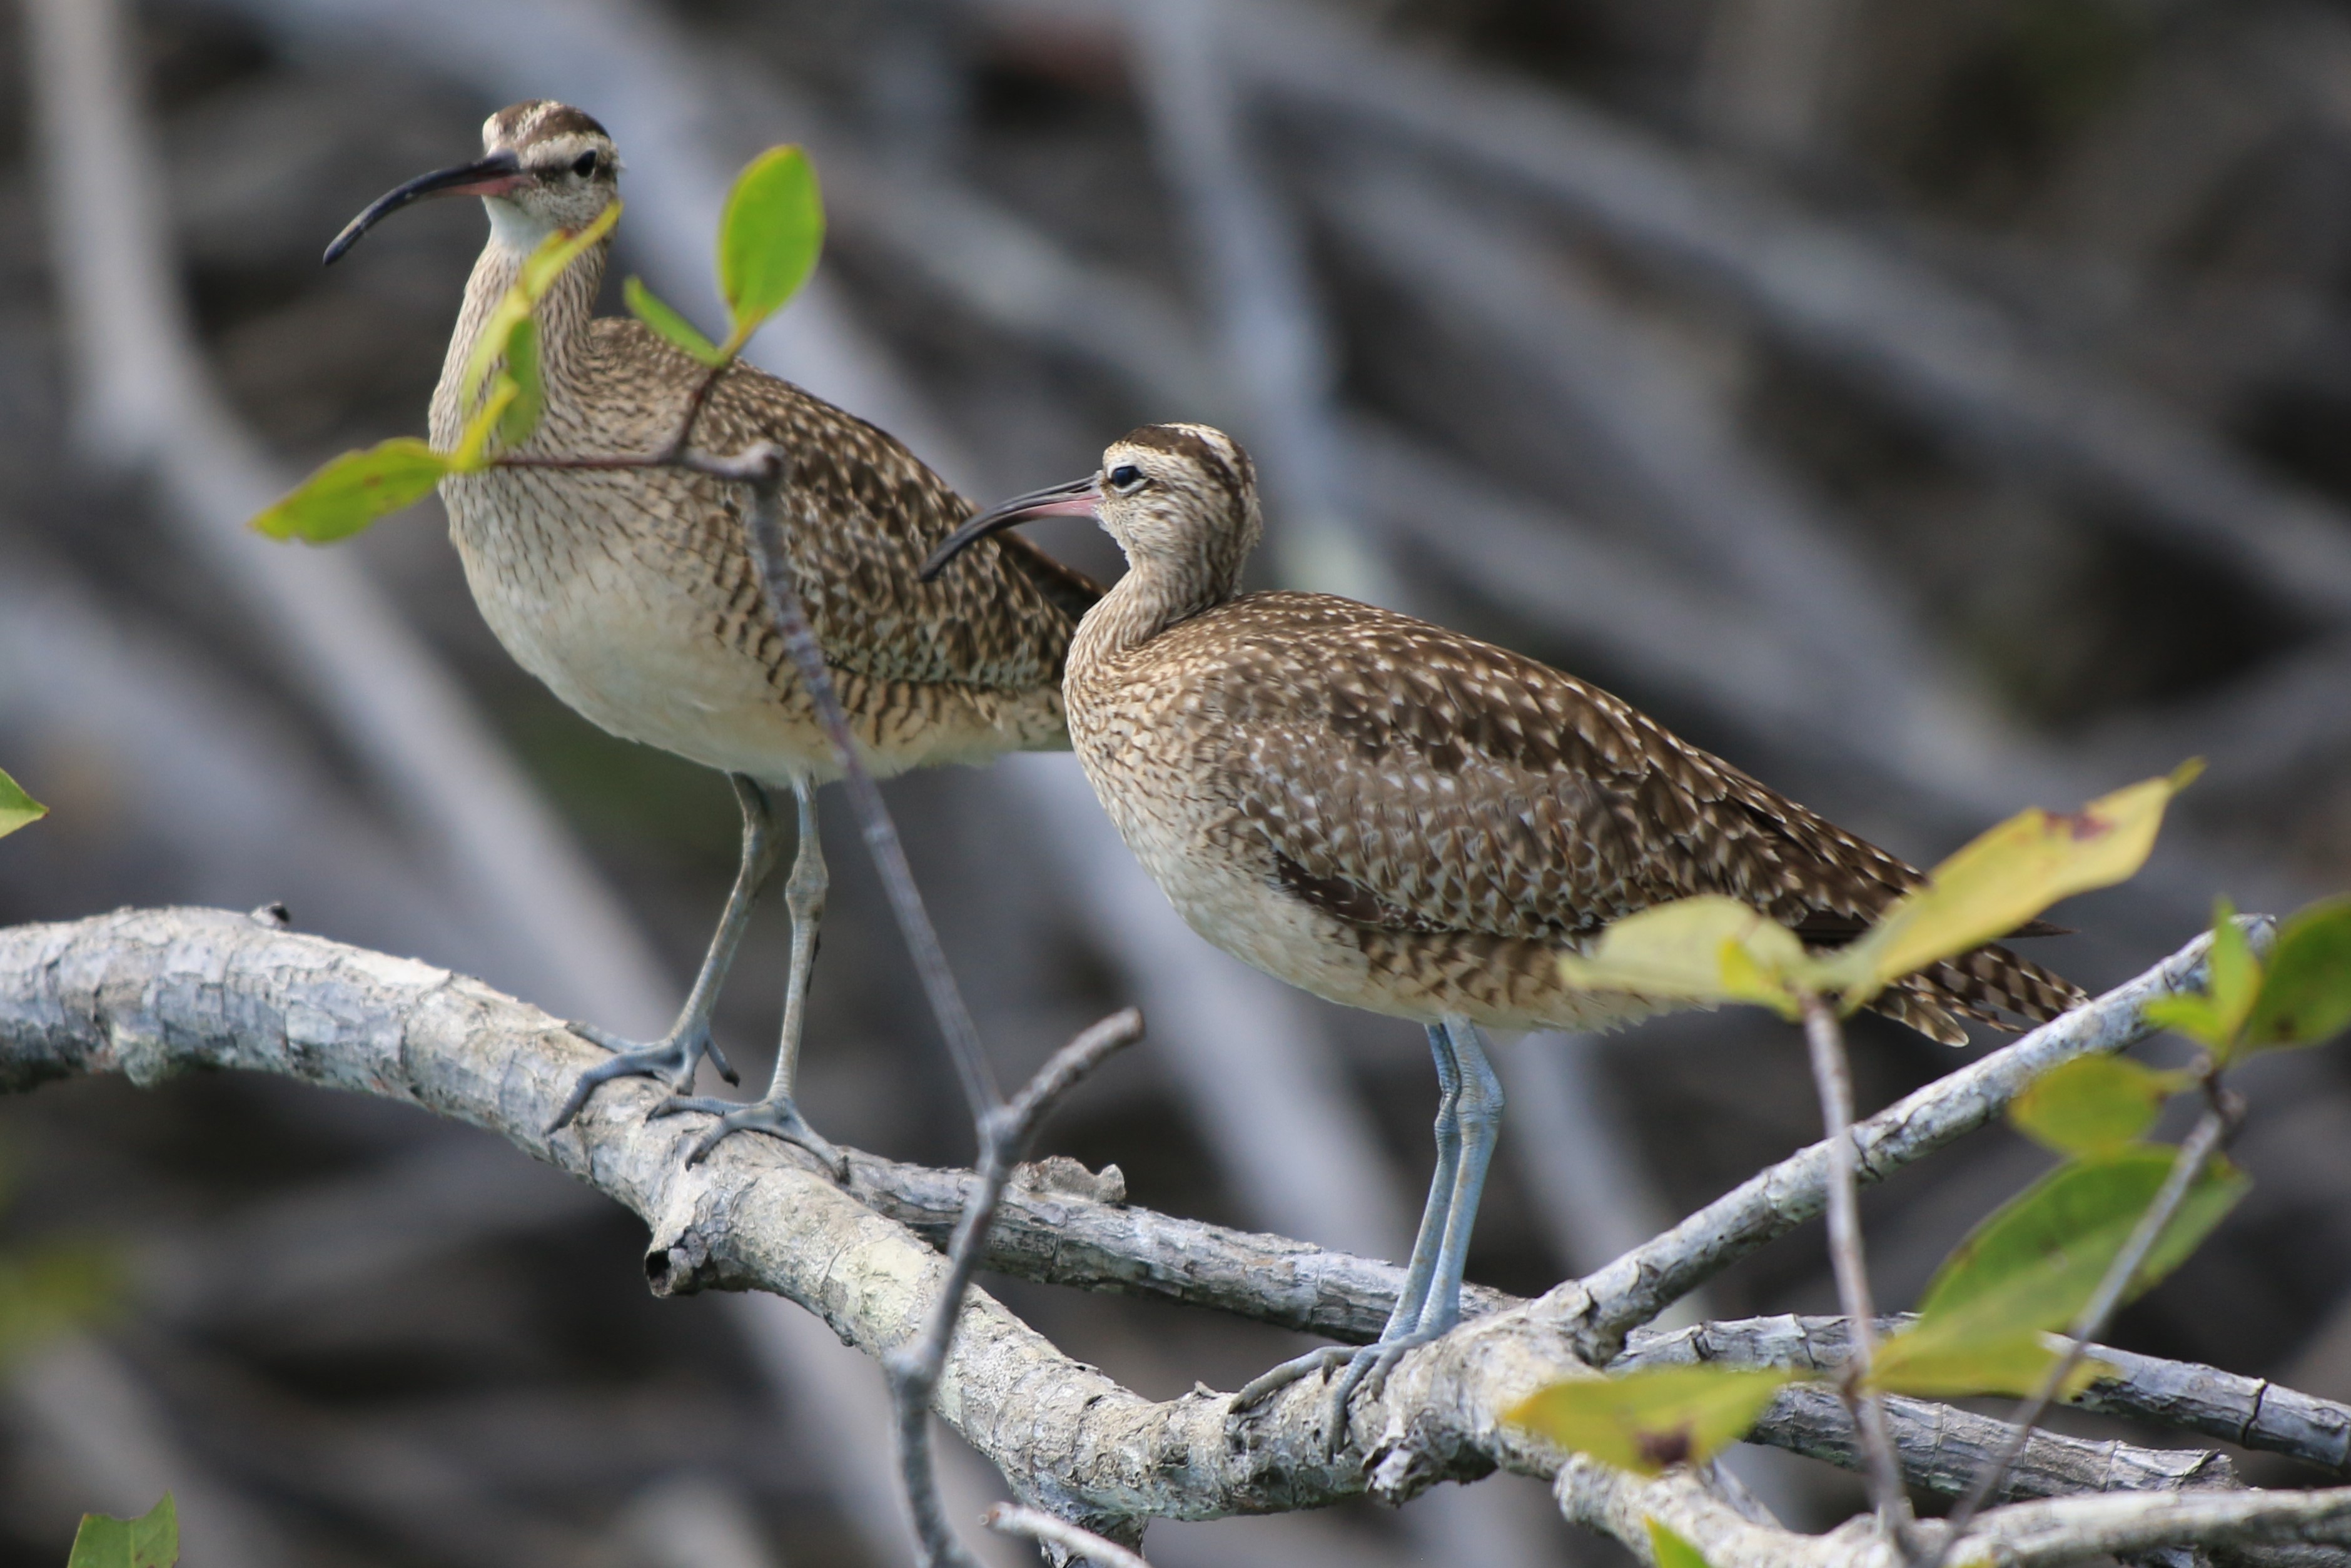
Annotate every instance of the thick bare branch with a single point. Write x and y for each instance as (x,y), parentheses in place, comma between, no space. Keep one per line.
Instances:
(155,992)
(152,993)
(2021,1535)
(2249,1411)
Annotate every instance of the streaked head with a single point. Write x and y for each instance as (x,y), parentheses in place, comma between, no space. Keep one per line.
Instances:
(1182,497)
(544,166)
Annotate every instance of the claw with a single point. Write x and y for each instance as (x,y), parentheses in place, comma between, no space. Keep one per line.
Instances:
(1267,1384)
(777,1118)
(671,1060)
(1367,1368)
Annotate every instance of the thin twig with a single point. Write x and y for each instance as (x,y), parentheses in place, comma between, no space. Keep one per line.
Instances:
(914,1368)
(2091,1320)
(693,407)
(1830,1072)
(1051,1529)
(762,467)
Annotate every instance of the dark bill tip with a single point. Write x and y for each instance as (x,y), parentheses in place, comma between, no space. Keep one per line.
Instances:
(492,176)
(1075,500)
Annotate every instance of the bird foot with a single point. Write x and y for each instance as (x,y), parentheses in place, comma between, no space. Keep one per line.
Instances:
(777,1118)
(671,1059)
(1366,1369)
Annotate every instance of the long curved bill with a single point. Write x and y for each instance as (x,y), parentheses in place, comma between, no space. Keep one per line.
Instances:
(1078,498)
(492,176)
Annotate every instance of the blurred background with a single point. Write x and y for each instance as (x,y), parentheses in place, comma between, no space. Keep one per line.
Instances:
(1934,406)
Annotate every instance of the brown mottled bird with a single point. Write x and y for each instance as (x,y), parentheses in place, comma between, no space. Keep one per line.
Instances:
(1405,819)
(631,592)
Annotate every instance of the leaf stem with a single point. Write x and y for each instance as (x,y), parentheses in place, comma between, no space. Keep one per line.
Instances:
(1825,1038)
(2091,1320)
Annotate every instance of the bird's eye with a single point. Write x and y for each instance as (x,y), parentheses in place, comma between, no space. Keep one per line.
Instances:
(584,165)
(1126,477)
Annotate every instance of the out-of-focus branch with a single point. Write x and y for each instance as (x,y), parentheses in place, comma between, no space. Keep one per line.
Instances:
(147,402)
(1723,508)
(1257,290)
(1956,361)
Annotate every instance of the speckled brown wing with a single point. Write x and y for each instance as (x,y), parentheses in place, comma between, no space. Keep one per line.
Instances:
(1442,784)
(862,512)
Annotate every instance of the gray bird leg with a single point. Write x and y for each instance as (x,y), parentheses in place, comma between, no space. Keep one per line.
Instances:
(1477,1125)
(775,1111)
(671,1058)
(1478,1128)
(1407,1320)
(1422,1268)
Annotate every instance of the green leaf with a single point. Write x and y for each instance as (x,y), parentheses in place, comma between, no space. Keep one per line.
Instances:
(16,808)
(2094,1104)
(1649,1421)
(151,1542)
(667,323)
(2194,1017)
(1668,1550)
(522,414)
(1938,1364)
(473,453)
(2305,997)
(2004,879)
(1703,949)
(2033,1266)
(538,273)
(768,240)
(2231,977)
(2037,1258)
(354,490)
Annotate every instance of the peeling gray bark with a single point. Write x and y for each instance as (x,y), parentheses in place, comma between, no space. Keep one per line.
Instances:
(153,993)
(2252,1412)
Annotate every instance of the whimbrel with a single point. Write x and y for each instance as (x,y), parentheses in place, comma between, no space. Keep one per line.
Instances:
(1405,819)
(632,593)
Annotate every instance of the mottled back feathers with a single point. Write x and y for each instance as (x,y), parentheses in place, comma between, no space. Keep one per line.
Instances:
(1410,781)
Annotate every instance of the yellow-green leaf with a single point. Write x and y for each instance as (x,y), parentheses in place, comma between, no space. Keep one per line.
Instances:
(1649,1421)
(532,280)
(354,490)
(1703,949)
(2193,1016)
(150,1541)
(529,401)
(1668,1550)
(667,323)
(16,808)
(2004,879)
(1933,1363)
(2306,997)
(2037,1258)
(2094,1104)
(768,240)
(2233,975)
(473,452)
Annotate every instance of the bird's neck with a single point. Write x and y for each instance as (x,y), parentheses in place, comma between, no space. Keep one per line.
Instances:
(1153,596)
(563,316)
